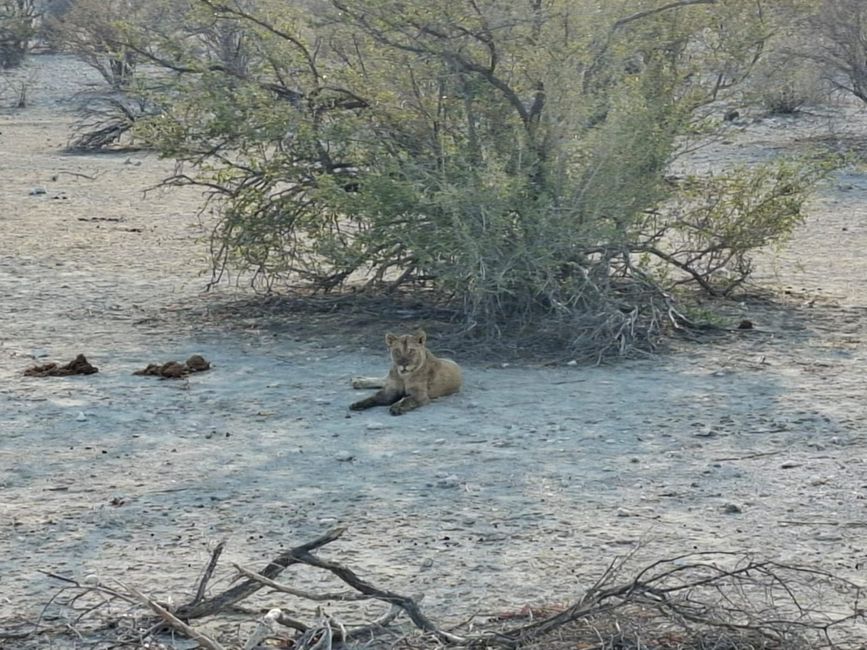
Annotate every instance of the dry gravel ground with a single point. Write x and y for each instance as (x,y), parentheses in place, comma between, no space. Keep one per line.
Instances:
(519,490)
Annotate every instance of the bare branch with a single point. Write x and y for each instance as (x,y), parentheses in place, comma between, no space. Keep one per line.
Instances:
(249,587)
(404,602)
(657,10)
(209,572)
(276,586)
(173,621)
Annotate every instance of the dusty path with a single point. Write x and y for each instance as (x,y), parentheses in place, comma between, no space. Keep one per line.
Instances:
(519,490)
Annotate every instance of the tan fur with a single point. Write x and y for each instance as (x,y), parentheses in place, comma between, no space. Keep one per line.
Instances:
(416,376)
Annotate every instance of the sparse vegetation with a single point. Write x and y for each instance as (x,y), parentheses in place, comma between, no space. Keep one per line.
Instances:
(508,161)
(93,31)
(18,25)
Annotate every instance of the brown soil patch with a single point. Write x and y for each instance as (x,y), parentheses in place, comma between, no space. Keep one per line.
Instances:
(78,366)
(175,369)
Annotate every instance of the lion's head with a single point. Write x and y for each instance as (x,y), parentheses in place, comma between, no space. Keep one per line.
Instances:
(407,351)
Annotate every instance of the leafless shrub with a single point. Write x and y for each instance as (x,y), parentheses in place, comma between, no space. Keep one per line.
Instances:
(107,123)
(18,25)
(93,30)
(785,83)
(16,85)
(843,27)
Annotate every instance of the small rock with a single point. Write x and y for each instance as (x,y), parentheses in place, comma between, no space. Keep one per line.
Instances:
(449,481)
(623,512)
(36,191)
(789,464)
(440,441)
(343,456)
(198,363)
(427,563)
(745,325)
(38,353)
(81,417)
(572,363)
(732,509)
(374,426)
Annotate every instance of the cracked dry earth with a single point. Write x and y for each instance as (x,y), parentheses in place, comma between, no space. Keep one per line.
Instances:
(519,490)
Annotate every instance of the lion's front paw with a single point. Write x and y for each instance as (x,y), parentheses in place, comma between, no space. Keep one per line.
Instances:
(359,406)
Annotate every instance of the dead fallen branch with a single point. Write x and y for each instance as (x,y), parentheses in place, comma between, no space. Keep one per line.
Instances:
(309,595)
(239,592)
(209,572)
(406,603)
(692,602)
(177,624)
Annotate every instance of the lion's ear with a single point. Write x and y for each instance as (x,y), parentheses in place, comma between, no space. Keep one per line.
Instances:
(390,339)
(421,336)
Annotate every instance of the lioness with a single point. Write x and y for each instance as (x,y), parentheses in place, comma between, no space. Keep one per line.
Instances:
(416,376)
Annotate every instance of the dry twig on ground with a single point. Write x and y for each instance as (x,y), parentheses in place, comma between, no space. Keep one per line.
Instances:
(692,602)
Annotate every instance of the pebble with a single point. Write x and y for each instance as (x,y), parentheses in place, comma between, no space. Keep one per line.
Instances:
(343,456)
(38,353)
(374,426)
(732,509)
(81,417)
(36,191)
(451,481)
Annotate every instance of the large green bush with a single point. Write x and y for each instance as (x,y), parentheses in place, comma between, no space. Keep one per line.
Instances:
(508,158)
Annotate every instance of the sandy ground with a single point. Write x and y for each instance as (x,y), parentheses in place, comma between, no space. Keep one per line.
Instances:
(521,489)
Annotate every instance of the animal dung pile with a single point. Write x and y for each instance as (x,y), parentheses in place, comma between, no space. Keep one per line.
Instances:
(175,369)
(78,366)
